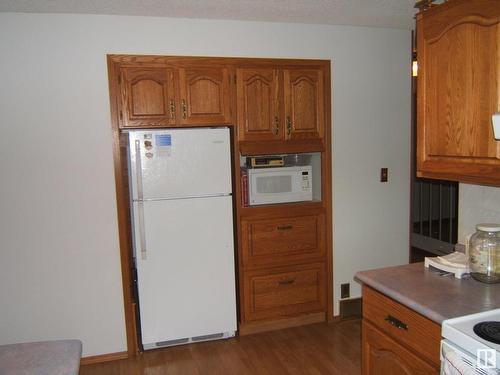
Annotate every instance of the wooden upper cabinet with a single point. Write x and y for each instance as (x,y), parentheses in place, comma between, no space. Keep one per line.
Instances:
(204,96)
(304,103)
(458,91)
(162,96)
(280,104)
(147,97)
(257,104)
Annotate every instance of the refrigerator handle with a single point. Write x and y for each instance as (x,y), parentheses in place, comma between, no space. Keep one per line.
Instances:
(138,170)
(140,200)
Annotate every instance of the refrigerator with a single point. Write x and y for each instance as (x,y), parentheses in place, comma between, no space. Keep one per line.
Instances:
(183,247)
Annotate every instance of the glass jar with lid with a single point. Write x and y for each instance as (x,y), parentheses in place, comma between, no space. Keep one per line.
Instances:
(484,253)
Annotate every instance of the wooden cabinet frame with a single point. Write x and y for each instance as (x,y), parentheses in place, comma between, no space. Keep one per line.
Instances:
(323,145)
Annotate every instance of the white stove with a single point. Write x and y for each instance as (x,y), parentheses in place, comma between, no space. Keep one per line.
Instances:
(463,351)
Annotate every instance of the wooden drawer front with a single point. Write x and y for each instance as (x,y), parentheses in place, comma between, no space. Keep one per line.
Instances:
(282,240)
(403,324)
(294,290)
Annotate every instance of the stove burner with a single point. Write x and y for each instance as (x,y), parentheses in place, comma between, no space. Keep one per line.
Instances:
(489,331)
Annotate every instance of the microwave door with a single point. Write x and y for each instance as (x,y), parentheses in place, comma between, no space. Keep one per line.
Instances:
(280,185)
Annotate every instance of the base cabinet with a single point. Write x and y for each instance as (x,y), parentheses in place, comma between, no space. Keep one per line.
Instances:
(397,340)
(284,292)
(283,272)
(283,241)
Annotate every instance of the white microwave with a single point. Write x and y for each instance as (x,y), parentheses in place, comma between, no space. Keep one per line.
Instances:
(279,185)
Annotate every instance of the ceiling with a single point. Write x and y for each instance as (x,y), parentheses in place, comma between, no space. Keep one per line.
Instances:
(378,13)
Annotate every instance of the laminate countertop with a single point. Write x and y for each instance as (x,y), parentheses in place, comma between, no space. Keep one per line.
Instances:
(431,295)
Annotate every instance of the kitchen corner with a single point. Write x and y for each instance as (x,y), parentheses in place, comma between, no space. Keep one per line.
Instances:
(406,312)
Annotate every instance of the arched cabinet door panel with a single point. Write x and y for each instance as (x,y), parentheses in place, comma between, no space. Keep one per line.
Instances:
(147,97)
(304,103)
(384,356)
(459,91)
(204,96)
(257,104)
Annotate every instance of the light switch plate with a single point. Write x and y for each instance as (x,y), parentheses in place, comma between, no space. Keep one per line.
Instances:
(496,125)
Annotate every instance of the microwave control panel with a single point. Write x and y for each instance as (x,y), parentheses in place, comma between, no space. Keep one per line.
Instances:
(305,181)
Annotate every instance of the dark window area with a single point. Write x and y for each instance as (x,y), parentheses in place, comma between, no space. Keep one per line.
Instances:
(434,218)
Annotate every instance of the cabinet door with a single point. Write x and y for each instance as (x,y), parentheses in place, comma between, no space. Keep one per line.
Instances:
(283,240)
(384,356)
(257,104)
(458,91)
(204,96)
(304,103)
(284,292)
(147,97)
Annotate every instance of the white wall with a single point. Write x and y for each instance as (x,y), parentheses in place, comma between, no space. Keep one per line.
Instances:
(60,273)
(476,204)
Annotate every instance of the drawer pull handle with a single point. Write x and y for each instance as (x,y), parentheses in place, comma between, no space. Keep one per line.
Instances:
(396,322)
(286,282)
(285,227)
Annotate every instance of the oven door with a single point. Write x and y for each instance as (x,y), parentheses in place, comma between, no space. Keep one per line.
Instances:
(456,361)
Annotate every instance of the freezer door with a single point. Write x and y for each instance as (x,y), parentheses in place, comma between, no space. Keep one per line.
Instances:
(179,163)
(186,282)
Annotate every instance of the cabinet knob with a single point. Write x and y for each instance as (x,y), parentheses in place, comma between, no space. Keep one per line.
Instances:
(276,125)
(172,109)
(286,282)
(184,109)
(285,227)
(288,125)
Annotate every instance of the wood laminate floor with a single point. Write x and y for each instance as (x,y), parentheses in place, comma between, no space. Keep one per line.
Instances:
(313,349)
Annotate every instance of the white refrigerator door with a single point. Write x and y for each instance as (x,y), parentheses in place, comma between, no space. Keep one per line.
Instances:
(186,283)
(180,163)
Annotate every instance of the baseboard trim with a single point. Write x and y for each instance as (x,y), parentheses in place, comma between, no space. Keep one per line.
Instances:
(272,325)
(103,358)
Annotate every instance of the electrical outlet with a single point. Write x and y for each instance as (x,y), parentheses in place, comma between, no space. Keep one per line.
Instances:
(345,290)
(384,175)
